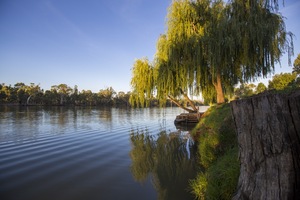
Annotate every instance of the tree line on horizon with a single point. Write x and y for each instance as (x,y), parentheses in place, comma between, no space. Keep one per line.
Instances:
(62,94)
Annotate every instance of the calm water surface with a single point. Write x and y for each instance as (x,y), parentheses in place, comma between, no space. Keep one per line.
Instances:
(93,153)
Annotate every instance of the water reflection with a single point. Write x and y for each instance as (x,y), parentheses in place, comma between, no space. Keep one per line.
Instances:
(13,121)
(167,159)
(20,123)
(77,150)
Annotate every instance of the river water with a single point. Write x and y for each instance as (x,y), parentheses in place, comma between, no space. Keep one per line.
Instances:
(94,153)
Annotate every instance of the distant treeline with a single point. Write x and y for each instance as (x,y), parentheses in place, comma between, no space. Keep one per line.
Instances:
(64,95)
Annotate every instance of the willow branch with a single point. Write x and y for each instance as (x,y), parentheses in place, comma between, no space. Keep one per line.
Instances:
(179,105)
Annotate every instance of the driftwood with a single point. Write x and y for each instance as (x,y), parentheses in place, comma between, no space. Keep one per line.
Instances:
(268,131)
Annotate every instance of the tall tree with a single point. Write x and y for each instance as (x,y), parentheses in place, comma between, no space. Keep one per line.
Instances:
(20,90)
(32,90)
(106,95)
(63,90)
(210,45)
(5,93)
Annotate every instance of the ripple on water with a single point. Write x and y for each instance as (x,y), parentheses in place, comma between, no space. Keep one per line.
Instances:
(79,154)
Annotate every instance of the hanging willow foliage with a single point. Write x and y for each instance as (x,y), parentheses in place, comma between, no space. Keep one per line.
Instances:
(210,46)
(260,35)
(142,83)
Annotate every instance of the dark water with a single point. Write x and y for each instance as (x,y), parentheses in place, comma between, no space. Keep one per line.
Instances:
(92,153)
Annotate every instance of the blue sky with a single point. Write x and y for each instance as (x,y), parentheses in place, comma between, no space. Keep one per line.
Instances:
(89,43)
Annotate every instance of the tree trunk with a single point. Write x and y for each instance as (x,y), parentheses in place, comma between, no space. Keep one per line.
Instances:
(28,99)
(190,101)
(179,105)
(268,131)
(219,90)
(61,99)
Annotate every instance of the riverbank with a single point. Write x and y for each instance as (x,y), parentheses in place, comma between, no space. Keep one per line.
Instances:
(218,155)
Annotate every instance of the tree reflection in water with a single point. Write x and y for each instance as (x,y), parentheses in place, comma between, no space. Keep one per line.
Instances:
(167,159)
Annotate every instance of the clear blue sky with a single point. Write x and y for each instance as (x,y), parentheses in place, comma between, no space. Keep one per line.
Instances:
(89,43)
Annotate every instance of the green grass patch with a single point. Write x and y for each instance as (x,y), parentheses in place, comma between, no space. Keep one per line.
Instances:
(218,155)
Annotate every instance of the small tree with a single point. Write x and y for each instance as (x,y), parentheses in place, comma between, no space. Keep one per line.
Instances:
(106,95)
(5,93)
(282,80)
(32,90)
(296,68)
(20,90)
(63,90)
(245,90)
(260,88)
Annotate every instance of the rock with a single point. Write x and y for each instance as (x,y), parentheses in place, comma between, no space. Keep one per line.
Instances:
(268,131)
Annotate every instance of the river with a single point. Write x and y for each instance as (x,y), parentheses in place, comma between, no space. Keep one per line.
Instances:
(93,153)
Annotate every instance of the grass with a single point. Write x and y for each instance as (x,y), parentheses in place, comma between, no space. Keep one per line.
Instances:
(218,155)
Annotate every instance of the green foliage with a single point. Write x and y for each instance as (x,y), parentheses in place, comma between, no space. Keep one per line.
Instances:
(106,95)
(218,155)
(262,38)
(199,186)
(207,149)
(260,88)
(220,180)
(210,46)
(214,117)
(245,90)
(142,83)
(282,81)
(142,155)
(62,94)
(209,95)
(5,93)
(296,68)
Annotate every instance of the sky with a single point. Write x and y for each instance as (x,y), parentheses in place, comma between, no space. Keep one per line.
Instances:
(90,43)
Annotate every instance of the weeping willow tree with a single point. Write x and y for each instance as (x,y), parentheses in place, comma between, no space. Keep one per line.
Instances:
(197,47)
(210,46)
(142,83)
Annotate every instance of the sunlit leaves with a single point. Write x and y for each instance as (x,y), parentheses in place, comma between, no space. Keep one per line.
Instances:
(210,46)
(261,37)
(282,80)
(142,83)
(260,88)
(296,68)
(61,94)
